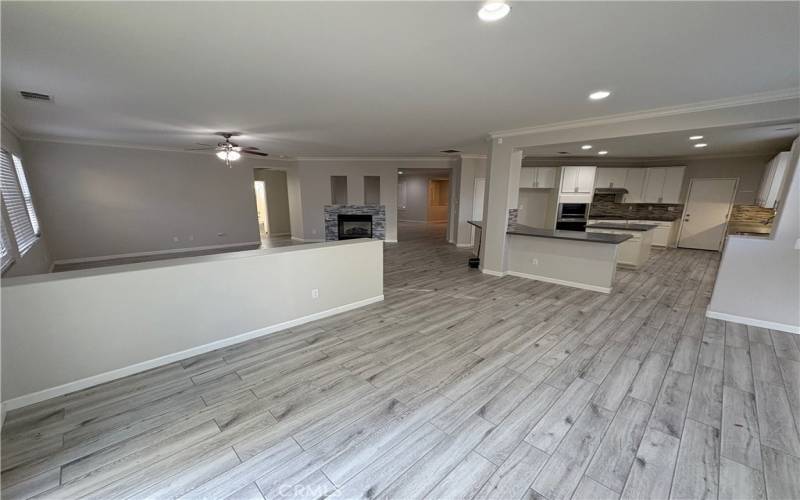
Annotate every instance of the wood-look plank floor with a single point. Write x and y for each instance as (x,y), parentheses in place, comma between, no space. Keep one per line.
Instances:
(458,385)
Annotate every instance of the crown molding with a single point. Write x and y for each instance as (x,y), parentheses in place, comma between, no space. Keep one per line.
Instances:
(469,156)
(730,102)
(638,160)
(398,158)
(102,144)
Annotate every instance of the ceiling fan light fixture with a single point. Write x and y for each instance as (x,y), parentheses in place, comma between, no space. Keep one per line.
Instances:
(227,155)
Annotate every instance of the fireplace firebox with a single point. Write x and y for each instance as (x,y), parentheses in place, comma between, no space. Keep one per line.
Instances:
(354,226)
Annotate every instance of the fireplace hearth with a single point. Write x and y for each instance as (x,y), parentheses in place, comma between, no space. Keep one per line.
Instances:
(353,226)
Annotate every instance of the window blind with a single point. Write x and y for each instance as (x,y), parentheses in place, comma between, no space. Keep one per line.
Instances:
(5,248)
(15,204)
(26,194)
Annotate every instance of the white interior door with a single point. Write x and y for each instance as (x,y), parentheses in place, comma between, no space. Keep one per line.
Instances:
(705,217)
(477,198)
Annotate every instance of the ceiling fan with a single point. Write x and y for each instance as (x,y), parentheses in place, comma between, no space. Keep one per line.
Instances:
(229,151)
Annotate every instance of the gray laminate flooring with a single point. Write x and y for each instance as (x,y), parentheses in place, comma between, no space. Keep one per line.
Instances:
(458,385)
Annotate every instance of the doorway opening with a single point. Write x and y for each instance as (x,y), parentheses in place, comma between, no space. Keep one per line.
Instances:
(423,203)
(705,215)
(261,208)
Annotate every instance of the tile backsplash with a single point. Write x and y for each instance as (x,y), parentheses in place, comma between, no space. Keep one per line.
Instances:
(604,206)
(751,213)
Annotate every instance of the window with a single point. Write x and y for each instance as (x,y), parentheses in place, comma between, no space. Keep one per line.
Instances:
(26,194)
(5,249)
(18,202)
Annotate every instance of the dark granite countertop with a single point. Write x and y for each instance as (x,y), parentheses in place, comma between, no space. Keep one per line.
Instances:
(622,227)
(620,217)
(522,230)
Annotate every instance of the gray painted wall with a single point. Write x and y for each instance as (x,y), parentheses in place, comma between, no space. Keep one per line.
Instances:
(106,201)
(759,278)
(66,327)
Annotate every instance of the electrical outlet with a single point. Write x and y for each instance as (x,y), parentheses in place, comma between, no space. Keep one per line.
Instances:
(535,262)
(222,234)
(313,231)
(175,239)
(315,293)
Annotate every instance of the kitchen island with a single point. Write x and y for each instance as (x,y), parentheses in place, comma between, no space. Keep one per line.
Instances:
(635,251)
(571,258)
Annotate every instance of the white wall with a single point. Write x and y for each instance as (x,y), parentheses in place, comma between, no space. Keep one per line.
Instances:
(758,281)
(470,169)
(85,327)
(37,259)
(277,200)
(106,201)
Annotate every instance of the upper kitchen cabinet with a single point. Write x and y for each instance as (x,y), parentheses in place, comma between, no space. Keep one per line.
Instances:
(771,183)
(634,183)
(610,177)
(537,177)
(577,180)
(663,185)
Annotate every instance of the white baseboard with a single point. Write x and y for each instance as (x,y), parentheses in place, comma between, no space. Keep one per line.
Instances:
(390,241)
(499,274)
(155,252)
(464,245)
(573,284)
(43,395)
(783,327)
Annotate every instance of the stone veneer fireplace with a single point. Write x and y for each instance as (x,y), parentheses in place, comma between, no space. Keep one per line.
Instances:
(355,221)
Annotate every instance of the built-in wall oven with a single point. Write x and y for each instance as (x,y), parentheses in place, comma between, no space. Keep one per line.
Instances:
(572,216)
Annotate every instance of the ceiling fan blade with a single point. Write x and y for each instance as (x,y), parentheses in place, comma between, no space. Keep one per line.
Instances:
(257,153)
(250,148)
(200,149)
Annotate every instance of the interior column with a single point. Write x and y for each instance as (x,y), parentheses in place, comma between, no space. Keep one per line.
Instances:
(502,193)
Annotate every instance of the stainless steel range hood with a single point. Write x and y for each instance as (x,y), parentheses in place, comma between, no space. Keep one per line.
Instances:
(611,191)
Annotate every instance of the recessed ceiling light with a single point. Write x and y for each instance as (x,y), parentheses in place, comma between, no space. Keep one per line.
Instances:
(602,152)
(599,94)
(493,10)
(586,146)
(695,137)
(700,145)
(400,172)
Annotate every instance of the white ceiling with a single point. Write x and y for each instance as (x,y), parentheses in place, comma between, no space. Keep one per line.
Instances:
(764,138)
(374,77)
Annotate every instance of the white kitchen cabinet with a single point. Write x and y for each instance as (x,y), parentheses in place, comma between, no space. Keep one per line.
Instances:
(537,177)
(545,177)
(577,180)
(634,183)
(526,177)
(663,185)
(654,185)
(610,177)
(772,182)
(663,234)
(673,183)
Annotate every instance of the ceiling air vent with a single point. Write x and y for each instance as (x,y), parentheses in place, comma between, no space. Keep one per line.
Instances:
(450,151)
(35,96)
